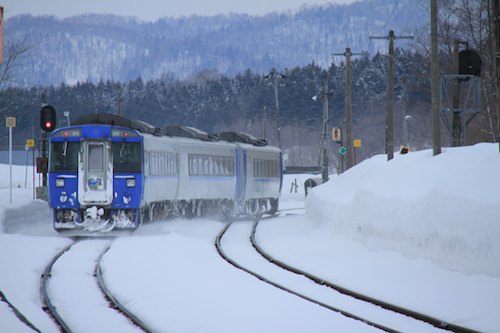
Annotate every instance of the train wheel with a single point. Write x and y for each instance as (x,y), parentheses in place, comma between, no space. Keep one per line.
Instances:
(274,206)
(226,210)
(189,210)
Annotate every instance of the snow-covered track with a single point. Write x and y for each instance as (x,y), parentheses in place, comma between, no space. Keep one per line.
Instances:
(234,263)
(18,313)
(66,311)
(48,305)
(113,300)
(391,307)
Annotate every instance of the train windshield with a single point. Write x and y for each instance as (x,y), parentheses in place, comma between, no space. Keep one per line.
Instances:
(64,156)
(127,157)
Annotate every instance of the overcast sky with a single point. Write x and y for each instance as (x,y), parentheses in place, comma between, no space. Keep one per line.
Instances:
(151,10)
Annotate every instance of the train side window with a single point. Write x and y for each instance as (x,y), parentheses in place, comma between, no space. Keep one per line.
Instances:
(223,167)
(231,166)
(153,163)
(266,168)
(190,164)
(162,164)
(206,165)
(194,165)
(217,165)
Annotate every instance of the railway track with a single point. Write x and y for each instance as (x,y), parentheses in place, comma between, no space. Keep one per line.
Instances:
(436,322)
(117,316)
(18,313)
(318,292)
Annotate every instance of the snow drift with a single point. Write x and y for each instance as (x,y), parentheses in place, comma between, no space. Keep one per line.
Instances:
(444,208)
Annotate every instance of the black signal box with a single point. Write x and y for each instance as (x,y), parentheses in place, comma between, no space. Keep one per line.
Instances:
(48,118)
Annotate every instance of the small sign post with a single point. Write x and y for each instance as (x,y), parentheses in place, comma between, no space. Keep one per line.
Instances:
(10,122)
(336,134)
(357,144)
(30,144)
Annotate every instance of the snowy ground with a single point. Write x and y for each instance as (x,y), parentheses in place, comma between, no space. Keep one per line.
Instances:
(419,231)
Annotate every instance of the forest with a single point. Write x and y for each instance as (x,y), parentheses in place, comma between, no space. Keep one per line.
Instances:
(247,102)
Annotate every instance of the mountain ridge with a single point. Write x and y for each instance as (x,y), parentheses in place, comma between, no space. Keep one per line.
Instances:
(94,47)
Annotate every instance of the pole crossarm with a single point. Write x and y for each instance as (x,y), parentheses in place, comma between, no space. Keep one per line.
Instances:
(389,138)
(394,36)
(345,54)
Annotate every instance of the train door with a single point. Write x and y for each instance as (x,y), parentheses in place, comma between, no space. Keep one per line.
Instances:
(95,183)
(241,173)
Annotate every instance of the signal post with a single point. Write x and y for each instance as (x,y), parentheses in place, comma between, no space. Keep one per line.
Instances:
(47,124)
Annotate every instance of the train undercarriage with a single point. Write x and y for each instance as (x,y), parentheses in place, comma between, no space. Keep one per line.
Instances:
(104,220)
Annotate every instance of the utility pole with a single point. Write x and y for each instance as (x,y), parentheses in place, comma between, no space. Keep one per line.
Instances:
(278,125)
(496,52)
(389,139)
(264,123)
(436,131)
(275,80)
(348,105)
(324,165)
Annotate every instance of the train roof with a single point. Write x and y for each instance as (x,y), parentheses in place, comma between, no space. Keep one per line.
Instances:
(173,131)
(241,138)
(188,132)
(114,120)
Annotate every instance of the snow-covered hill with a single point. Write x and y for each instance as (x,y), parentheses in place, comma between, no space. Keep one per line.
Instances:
(104,47)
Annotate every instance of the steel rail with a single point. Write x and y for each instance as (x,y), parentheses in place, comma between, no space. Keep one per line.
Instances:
(49,307)
(279,286)
(114,303)
(438,323)
(18,313)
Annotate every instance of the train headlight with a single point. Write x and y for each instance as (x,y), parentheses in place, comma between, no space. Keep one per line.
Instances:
(59,182)
(131,182)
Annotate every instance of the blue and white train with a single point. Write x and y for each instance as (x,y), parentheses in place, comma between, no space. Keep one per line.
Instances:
(107,173)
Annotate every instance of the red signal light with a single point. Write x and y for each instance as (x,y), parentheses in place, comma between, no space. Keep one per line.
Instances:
(47,118)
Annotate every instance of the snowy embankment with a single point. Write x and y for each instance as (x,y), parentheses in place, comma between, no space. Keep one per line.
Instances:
(443,208)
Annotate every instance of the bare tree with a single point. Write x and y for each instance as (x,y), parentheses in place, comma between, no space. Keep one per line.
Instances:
(16,52)
(468,21)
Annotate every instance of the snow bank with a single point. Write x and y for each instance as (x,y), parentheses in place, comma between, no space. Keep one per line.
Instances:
(444,208)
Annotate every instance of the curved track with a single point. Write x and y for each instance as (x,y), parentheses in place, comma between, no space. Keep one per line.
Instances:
(112,299)
(391,307)
(17,313)
(48,305)
(114,304)
(288,290)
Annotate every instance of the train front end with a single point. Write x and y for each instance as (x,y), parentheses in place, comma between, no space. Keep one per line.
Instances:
(95,178)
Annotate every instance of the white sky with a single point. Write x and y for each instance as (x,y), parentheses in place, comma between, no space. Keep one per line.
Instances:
(151,10)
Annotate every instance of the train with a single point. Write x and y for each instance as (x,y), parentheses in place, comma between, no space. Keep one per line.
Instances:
(108,173)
